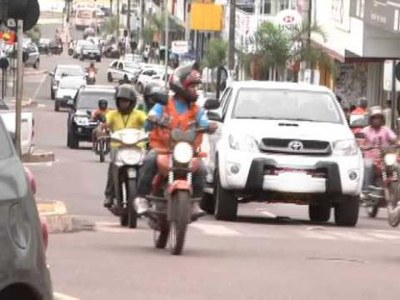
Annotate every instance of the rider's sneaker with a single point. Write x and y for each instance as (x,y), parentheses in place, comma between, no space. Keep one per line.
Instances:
(141,206)
(108,202)
(197,212)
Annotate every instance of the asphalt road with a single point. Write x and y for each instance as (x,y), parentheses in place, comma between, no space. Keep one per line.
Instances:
(261,256)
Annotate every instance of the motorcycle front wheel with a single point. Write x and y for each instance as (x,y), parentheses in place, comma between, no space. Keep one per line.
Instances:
(101,146)
(372,211)
(128,215)
(161,233)
(392,194)
(180,208)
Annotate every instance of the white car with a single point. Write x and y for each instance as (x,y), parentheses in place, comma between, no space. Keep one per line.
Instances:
(78,47)
(147,75)
(283,142)
(122,70)
(67,90)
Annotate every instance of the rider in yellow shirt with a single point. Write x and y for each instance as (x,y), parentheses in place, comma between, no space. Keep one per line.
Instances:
(125,117)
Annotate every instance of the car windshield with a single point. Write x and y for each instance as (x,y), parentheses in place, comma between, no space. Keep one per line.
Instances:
(71,83)
(6,149)
(293,105)
(90,47)
(70,71)
(89,100)
(131,65)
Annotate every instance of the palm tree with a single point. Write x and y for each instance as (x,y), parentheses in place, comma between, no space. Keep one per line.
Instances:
(111,25)
(216,53)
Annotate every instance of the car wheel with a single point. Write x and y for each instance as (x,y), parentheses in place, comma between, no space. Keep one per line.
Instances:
(109,77)
(72,140)
(52,94)
(208,203)
(346,211)
(226,204)
(98,59)
(140,87)
(320,212)
(36,65)
(126,79)
(57,105)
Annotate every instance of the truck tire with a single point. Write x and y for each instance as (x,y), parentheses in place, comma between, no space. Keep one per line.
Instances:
(320,212)
(346,211)
(226,204)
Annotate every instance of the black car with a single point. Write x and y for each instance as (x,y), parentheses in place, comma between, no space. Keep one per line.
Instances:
(80,126)
(90,51)
(24,274)
(44,46)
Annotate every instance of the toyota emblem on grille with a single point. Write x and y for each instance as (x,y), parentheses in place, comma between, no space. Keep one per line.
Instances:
(295,146)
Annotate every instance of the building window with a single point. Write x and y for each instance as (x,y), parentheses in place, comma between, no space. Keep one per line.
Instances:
(266,7)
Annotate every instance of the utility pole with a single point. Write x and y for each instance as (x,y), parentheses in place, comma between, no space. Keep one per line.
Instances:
(128,18)
(232,22)
(18,104)
(166,42)
(309,19)
(187,29)
(118,5)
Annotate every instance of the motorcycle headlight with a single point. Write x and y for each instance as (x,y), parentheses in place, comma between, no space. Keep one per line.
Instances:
(390,159)
(243,143)
(345,148)
(183,153)
(81,121)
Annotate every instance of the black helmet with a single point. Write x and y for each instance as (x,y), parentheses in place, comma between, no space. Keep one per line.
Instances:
(182,78)
(103,103)
(126,92)
(153,90)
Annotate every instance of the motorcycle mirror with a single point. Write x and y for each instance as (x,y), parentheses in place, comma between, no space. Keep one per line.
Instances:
(160,98)
(211,104)
(359,135)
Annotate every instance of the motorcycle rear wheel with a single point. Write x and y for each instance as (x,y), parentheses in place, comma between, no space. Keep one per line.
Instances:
(181,208)
(161,234)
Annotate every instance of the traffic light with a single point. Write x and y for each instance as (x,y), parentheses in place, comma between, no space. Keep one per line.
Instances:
(26,10)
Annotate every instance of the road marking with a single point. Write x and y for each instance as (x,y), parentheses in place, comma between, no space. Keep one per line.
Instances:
(384,236)
(39,87)
(59,296)
(217,230)
(41,105)
(352,236)
(316,235)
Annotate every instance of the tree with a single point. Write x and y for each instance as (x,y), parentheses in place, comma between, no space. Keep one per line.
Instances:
(276,47)
(216,53)
(111,25)
(35,34)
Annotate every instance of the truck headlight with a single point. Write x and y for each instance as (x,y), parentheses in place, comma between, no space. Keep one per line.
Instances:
(243,143)
(183,153)
(345,148)
(81,121)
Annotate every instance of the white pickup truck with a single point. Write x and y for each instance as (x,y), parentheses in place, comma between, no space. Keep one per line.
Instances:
(27,127)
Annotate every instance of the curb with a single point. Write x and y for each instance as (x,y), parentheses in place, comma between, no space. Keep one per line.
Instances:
(39,157)
(59,221)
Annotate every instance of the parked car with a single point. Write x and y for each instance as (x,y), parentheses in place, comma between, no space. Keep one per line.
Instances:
(90,51)
(89,32)
(122,70)
(147,75)
(64,71)
(31,56)
(67,90)
(80,126)
(78,47)
(283,142)
(24,271)
(157,80)
(43,46)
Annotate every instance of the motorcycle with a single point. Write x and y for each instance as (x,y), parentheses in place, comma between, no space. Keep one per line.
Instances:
(171,199)
(91,77)
(125,164)
(102,143)
(384,191)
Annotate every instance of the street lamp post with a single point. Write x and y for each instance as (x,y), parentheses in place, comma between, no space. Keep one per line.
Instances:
(166,42)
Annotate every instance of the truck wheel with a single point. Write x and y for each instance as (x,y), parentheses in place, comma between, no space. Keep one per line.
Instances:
(320,212)
(52,94)
(57,106)
(72,140)
(208,203)
(346,211)
(226,204)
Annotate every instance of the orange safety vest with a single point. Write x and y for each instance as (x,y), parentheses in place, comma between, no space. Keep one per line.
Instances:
(160,137)
(359,111)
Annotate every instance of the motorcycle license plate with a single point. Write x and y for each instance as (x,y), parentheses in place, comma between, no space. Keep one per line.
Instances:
(132,173)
